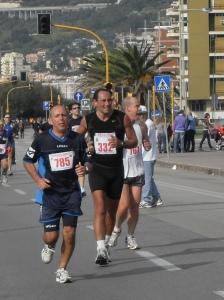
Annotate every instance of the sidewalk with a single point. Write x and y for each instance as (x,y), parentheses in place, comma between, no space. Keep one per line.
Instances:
(209,162)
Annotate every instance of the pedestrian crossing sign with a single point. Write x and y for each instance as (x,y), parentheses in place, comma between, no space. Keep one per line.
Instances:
(162,83)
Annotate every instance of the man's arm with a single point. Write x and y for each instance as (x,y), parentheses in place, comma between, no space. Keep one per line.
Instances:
(42,183)
(131,140)
(82,129)
(145,137)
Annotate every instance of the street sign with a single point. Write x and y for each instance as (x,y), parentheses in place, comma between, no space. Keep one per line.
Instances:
(78,96)
(85,104)
(162,83)
(156,113)
(46,105)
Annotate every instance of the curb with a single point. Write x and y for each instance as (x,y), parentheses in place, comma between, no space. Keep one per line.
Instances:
(193,168)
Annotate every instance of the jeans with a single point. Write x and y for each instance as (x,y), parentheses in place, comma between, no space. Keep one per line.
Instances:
(150,192)
(178,138)
(161,137)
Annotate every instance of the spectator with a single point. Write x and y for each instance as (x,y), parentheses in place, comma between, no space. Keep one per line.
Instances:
(189,145)
(179,131)
(207,126)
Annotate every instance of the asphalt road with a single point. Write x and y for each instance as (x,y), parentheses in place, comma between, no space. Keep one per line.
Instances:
(181,255)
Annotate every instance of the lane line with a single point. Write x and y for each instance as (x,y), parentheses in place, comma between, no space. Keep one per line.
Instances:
(153,258)
(219,293)
(20,192)
(158,261)
(6,185)
(192,190)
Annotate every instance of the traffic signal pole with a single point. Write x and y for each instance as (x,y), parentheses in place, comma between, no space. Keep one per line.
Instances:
(107,79)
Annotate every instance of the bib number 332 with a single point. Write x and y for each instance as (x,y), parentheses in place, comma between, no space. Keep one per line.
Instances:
(61,161)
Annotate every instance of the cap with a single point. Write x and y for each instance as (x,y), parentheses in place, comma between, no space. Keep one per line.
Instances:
(142,109)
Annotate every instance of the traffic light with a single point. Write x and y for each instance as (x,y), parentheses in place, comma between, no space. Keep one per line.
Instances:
(44,23)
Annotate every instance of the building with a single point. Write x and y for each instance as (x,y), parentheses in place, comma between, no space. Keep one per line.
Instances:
(199,28)
(12,64)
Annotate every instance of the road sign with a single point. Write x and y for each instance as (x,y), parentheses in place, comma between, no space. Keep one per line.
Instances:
(46,105)
(156,113)
(78,96)
(162,83)
(85,104)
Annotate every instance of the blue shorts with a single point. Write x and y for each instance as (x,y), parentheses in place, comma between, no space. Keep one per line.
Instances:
(56,206)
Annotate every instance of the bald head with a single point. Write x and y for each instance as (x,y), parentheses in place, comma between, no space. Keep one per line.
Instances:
(131,105)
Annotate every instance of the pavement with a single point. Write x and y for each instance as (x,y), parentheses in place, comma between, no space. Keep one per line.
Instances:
(207,161)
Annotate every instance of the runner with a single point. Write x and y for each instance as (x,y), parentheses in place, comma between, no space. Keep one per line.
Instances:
(74,123)
(60,156)
(4,147)
(106,128)
(133,178)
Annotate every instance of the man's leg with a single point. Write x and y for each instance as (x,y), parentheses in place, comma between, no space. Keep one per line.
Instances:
(135,197)
(67,246)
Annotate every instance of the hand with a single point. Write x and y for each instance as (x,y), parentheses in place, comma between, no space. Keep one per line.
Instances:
(43,183)
(146,145)
(114,142)
(80,170)
(90,147)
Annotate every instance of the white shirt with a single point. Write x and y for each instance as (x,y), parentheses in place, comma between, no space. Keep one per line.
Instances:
(132,158)
(152,153)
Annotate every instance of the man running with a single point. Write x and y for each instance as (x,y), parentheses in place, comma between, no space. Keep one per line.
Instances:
(4,148)
(133,178)
(106,128)
(11,151)
(60,155)
(74,123)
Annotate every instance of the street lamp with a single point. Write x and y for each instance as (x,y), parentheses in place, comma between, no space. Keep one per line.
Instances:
(12,89)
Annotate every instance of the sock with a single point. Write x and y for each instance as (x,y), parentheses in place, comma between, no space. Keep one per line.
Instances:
(116,229)
(100,244)
(107,238)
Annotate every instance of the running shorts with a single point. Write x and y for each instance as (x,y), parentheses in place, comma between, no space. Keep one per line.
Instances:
(135,181)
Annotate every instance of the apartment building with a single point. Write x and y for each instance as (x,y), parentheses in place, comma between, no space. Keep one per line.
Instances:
(199,28)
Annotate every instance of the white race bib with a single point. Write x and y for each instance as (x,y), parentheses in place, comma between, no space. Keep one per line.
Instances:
(2,148)
(133,152)
(61,161)
(101,143)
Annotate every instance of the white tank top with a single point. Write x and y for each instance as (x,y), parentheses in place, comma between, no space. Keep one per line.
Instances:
(132,158)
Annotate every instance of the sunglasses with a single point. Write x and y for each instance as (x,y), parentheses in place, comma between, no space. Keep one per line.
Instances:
(76,108)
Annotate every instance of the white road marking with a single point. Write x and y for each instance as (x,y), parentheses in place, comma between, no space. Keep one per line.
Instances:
(153,258)
(20,192)
(219,293)
(6,185)
(158,261)
(33,199)
(192,190)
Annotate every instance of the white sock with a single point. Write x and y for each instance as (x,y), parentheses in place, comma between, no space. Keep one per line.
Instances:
(107,238)
(82,189)
(116,229)
(100,244)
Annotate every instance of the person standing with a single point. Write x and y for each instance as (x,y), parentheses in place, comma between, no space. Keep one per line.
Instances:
(161,135)
(60,155)
(128,207)
(106,128)
(190,133)
(150,194)
(206,131)
(11,148)
(74,123)
(179,128)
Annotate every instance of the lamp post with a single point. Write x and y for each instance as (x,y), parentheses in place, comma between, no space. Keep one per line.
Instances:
(107,78)
(11,90)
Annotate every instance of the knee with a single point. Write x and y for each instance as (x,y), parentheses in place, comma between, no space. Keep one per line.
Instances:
(69,234)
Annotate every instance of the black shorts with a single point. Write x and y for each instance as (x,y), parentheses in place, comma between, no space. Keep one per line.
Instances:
(135,181)
(56,206)
(108,179)
(3,156)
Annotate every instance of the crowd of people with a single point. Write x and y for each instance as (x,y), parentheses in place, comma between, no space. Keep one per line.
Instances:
(117,149)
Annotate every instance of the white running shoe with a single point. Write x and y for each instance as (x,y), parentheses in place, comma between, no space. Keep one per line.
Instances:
(102,257)
(113,239)
(47,254)
(62,276)
(4,179)
(144,204)
(159,202)
(131,242)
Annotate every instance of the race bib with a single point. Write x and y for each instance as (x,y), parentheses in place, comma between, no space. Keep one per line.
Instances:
(61,161)
(133,151)
(2,148)
(101,143)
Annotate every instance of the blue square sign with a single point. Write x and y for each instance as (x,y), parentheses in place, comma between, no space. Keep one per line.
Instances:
(162,83)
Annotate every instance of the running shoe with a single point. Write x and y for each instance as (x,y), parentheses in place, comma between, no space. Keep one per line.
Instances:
(108,253)
(62,276)
(159,202)
(47,254)
(83,194)
(102,257)
(144,204)
(131,242)
(113,239)
(10,173)
(4,179)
